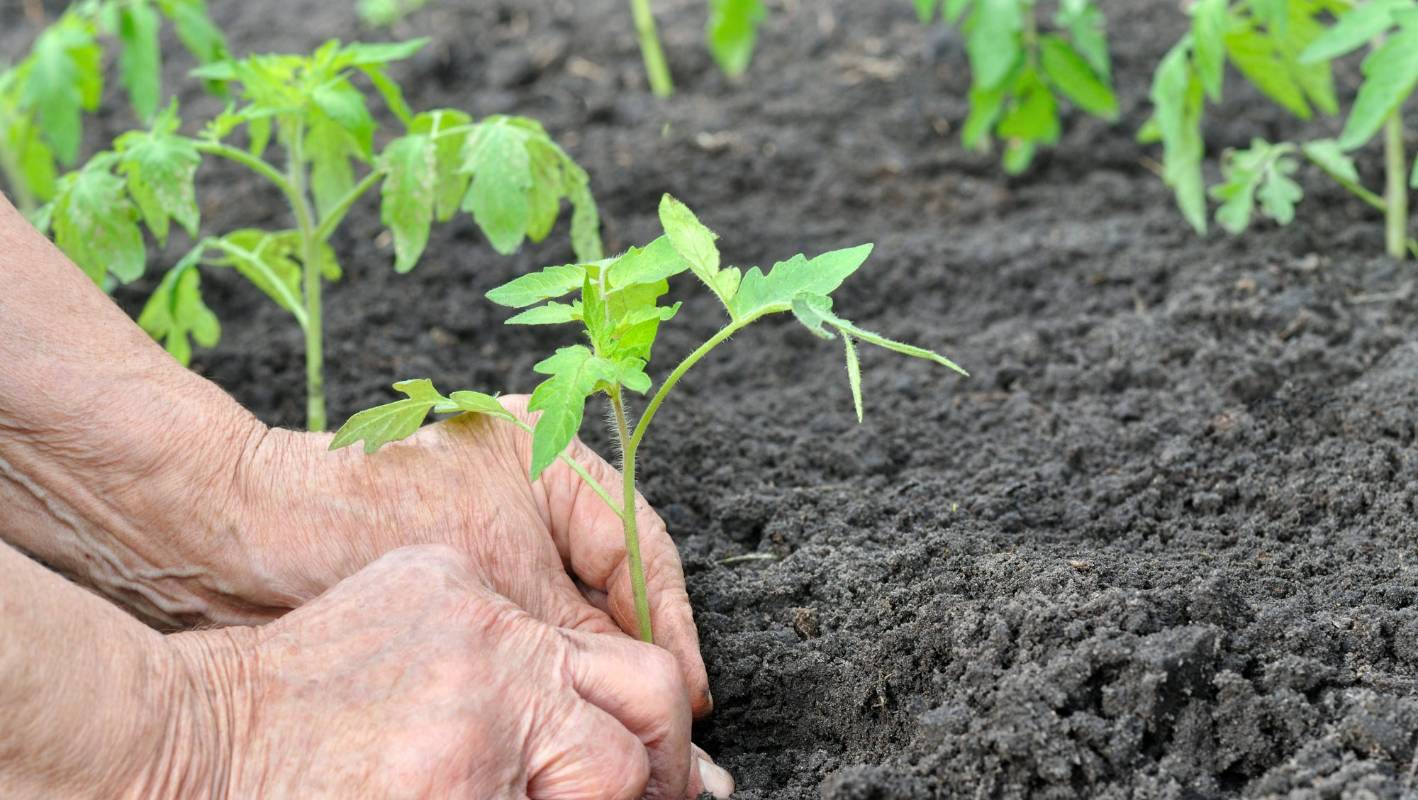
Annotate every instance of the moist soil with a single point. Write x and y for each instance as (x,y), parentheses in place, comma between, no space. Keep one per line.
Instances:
(1161,544)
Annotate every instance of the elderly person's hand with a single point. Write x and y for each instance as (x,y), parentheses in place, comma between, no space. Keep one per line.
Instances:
(413,678)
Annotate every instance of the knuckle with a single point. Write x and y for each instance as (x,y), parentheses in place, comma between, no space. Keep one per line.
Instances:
(663,679)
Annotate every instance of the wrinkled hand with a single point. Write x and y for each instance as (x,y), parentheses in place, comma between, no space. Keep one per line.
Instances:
(553,547)
(413,678)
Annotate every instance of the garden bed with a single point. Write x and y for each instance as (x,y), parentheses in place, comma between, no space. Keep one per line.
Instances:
(1161,544)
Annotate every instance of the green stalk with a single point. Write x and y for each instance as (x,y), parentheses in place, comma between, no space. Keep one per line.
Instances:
(310,272)
(655,65)
(629,522)
(1396,166)
(24,198)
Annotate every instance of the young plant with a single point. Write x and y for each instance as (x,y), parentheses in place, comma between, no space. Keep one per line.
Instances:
(44,96)
(619,310)
(383,13)
(1019,74)
(1284,49)
(732,33)
(505,171)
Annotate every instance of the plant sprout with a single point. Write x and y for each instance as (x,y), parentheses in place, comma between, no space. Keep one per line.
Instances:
(619,311)
(505,171)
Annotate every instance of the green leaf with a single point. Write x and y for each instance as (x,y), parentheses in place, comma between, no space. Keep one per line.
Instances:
(1177,96)
(655,262)
(797,276)
(854,375)
(1332,159)
(575,371)
(140,60)
(535,287)
(496,156)
(344,104)
(1209,19)
(585,217)
(361,54)
(96,225)
(1071,73)
(732,32)
(176,315)
(552,313)
(1255,55)
(1261,172)
(1085,26)
(986,105)
(1390,75)
(476,403)
(848,329)
(1357,27)
(408,196)
(993,40)
(391,422)
(693,241)
(448,156)
(391,92)
(268,261)
(161,169)
(196,31)
(1035,114)
(329,148)
(64,80)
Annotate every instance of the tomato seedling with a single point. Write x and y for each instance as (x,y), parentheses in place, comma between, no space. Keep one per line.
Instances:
(1018,73)
(43,98)
(620,312)
(1285,50)
(732,33)
(505,171)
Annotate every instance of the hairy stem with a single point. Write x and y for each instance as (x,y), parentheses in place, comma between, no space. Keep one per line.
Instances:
(655,65)
(628,519)
(310,271)
(254,164)
(1395,160)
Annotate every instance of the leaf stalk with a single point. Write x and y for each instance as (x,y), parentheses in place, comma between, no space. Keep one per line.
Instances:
(1396,190)
(658,69)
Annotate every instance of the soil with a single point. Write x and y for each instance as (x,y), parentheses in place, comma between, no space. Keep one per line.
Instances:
(1160,545)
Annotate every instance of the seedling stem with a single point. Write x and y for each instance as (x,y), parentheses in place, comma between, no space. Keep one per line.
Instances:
(655,65)
(1397,186)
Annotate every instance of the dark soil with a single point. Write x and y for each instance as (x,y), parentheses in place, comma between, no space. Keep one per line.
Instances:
(1161,545)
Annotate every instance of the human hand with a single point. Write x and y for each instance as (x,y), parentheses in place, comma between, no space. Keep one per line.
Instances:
(552,547)
(413,678)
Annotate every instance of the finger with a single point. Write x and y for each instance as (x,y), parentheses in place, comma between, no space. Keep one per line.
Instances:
(641,686)
(588,755)
(591,538)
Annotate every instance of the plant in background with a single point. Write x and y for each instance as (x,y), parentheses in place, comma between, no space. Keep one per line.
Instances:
(1018,74)
(620,312)
(505,171)
(1284,49)
(44,96)
(383,13)
(732,33)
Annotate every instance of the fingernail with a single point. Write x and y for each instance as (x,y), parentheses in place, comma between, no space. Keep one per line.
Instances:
(717,781)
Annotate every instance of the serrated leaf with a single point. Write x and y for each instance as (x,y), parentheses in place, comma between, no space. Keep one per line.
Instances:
(692,240)
(391,422)
(344,104)
(175,314)
(64,80)
(196,31)
(95,223)
(1332,159)
(535,287)
(408,196)
(797,276)
(477,403)
(993,40)
(1034,116)
(392,93)
(552,313)
(497,159)
(1209,19)
(1356,28)
(1390,76)
(1071,73)
(1255,55)
(140,58)
(733,31)
(268,261)
(161,169)
(575,371)
(655,262)
(1177,96)
(846,328)
(585,218)
(440,125)
(1259,173)
(812,311)
(1085,25)
(329,148)
(360,54)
